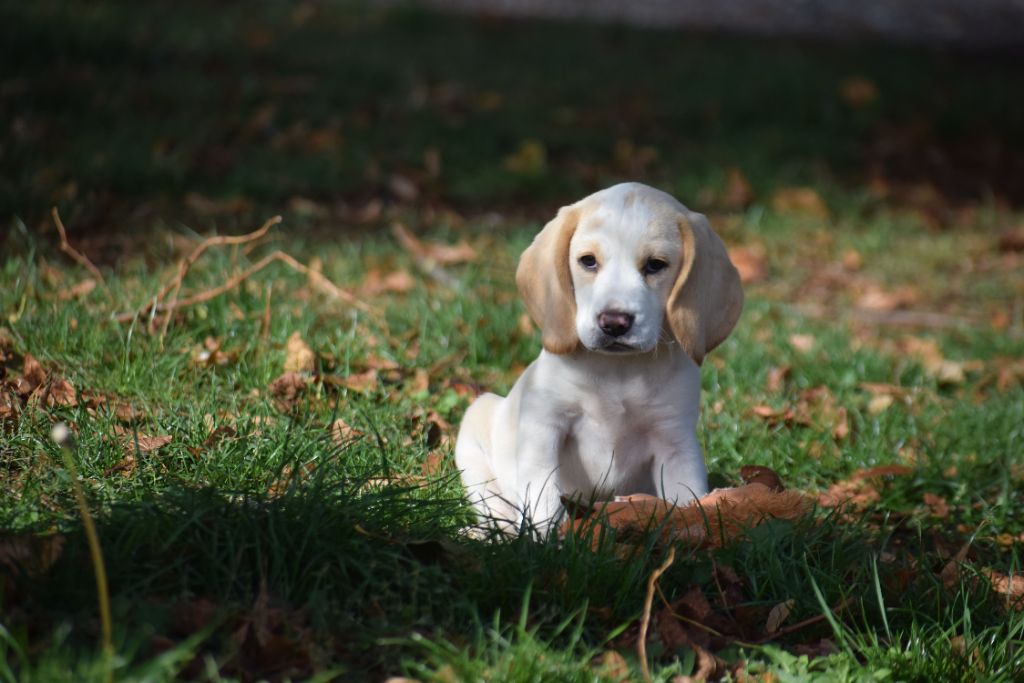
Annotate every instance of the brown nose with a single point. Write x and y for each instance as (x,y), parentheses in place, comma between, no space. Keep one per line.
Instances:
(615,323)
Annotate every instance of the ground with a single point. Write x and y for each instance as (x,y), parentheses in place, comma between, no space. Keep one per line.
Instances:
(262,429)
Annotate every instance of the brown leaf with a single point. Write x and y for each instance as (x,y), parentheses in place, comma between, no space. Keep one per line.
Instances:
(60,392)
(937,505)
(750,261)
(778,614)
(298,356)
(775,381)
(738,192)
(32,376)
(363,382)
(146,443)
(287,390)
(10,406)
(397,282)
(858,91)
(841,430)
(800,200)
(1012,240)
(804,343)
(879,403)
(404,188)
(433,464)
(420,382)
(342,433)
(126,466)
(612,665)
(529,159)
(1010,586)
(758,474)
(79,290)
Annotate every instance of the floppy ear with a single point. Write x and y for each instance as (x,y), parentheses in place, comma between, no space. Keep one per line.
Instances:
(707,298)
(545,282)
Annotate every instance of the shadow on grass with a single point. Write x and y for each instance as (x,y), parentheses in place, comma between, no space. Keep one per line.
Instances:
(329,576)
(119,111)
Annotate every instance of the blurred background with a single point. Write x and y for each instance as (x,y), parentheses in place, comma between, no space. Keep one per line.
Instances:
(339,114)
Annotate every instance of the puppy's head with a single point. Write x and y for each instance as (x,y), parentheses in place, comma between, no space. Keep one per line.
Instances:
(619,268)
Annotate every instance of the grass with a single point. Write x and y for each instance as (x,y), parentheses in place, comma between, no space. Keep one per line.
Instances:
(268,549)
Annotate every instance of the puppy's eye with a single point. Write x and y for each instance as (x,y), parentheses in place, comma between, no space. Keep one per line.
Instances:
(588,261)
(654,265)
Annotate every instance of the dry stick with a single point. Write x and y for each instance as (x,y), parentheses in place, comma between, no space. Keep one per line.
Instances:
(216,240)
(78,256)
(645,621)
(322,282)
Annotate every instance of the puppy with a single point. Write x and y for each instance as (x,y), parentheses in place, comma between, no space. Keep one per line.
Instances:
(630,290)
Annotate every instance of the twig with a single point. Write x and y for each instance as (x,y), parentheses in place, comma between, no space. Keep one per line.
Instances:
(319,280)
(423,260)
(78,256)
(265,322)
(216,240)
(645,621)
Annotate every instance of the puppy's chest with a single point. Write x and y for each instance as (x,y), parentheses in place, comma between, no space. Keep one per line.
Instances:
(613,438)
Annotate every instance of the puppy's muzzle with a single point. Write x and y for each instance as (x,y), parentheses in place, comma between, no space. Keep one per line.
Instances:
(615,323)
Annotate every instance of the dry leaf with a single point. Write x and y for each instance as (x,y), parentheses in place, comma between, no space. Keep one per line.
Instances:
(804,343)
(298,356)
(364,382)
(750,261)
(842,425)
(612,665)
(342,433)
(738,192)
(433,464)
(79,290)
(1010,586)
(778,615)
(396,282)
(858,91)
(800,200)
(29,554)
(937,505)
(146,443)
(403,188)
(420,382)
(524,325)
(776,378)
(1012,240)
(287,390)
(879,403)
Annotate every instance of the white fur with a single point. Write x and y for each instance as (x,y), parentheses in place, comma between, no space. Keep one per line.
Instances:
(614,415)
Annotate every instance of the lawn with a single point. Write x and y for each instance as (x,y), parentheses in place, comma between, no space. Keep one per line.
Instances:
(263,436)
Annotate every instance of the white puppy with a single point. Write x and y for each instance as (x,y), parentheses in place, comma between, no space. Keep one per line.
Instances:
(630,289)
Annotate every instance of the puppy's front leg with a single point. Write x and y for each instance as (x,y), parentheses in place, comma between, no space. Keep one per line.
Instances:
(537,477)
(682,477)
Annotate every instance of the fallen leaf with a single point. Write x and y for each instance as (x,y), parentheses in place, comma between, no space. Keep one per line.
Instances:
(342,433)
(750,261)
(298,356)
(758,474)
(1012,240)
(287,390)
(804,343)
(79,290)
(937,505)
(420,382)
(800,200)
(1010,586)
(841,430)
(858,91)
(403,188)
(432,464)
(29,554)
(778,614)
(612,665)
(524,325)
(32,376)
(396,282)
(775,380)
(879,403)
(738,192)
(363,382)
(132,440)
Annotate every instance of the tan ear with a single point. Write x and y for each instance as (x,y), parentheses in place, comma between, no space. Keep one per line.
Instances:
(545,282)
(707,298)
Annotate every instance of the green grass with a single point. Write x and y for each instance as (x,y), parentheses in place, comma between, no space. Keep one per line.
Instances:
(277,552)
